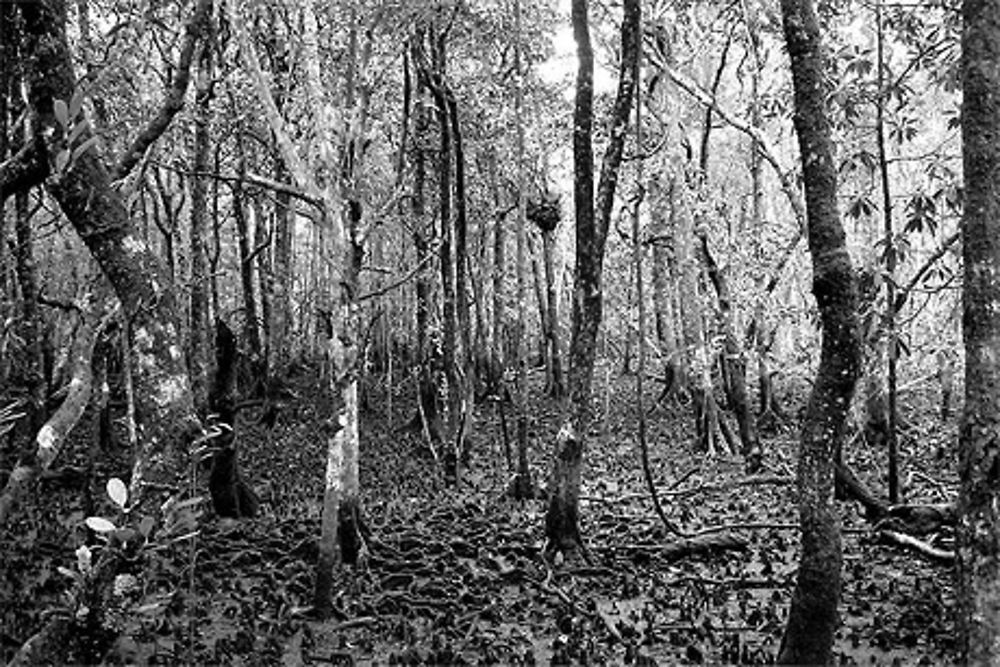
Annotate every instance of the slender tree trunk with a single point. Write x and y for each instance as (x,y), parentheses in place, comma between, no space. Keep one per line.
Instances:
(244,236)
(199,341)
(812,618)
(979,457)
(497,360)
(562,517)
(523,487)
(558,387)
(280,281)
(466,368)
(890,260)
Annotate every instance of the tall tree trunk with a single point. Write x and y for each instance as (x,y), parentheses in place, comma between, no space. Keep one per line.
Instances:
(199,340)
(562,517)
(428,409)
(890,259)
(499,327)
(812,618)
(666,320)
(244,237)
(979,457)
(523,486)
(280,280)
(466,368)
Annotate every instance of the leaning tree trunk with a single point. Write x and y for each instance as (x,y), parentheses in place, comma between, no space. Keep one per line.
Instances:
(979,457)
(562,517)
(163,399)
(812,618)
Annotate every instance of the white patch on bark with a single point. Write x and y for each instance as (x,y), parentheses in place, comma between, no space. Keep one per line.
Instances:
(134,245)
(47,449)
(170,390)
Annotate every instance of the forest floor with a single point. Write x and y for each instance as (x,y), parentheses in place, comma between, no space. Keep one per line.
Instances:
(457,575)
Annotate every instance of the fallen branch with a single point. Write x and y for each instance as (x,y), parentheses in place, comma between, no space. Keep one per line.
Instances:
(921,547)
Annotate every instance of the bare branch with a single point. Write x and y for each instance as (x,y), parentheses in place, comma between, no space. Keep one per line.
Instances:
(196,27)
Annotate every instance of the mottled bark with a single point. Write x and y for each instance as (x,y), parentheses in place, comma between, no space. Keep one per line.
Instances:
(979,453)
(164,408)
(812,619)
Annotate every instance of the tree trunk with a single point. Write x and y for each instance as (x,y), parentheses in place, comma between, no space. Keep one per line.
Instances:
(812,618)
(466,369)
(244,235)
(554,356)
(733,362)
(666,320)
(499,327)
(523,487)
(979,458)
(198,342)
(280,281)
(562,516)
(698,360)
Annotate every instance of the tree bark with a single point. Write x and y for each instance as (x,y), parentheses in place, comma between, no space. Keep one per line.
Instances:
(979,457)
(562,516)
(812,618)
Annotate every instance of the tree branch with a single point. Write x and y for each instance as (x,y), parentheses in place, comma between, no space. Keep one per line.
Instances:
(196,27)
(788,185)
(22,171)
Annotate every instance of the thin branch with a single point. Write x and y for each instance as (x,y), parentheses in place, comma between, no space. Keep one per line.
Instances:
(788,185)
(397,283)
(196,27)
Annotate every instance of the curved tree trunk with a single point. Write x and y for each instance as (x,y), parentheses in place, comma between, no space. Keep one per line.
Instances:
(812,618)
(979,458)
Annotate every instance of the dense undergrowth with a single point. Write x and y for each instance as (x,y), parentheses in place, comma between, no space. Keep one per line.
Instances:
(457,575)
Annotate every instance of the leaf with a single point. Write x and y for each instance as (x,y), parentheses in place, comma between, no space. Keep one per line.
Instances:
(84,147)
(66,572)
(76,103)
(61,111)
(99,524)
(62,160)
(117,492)
(78,129)
(146,526)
